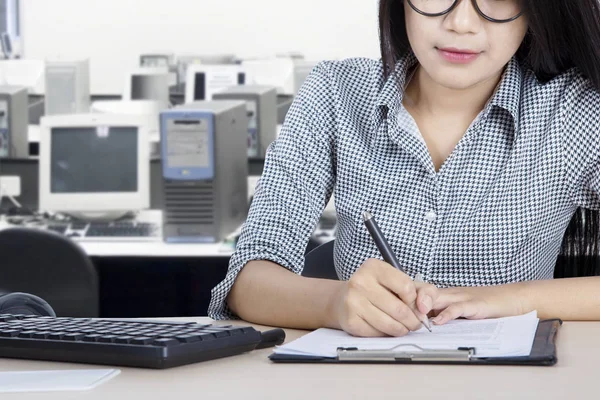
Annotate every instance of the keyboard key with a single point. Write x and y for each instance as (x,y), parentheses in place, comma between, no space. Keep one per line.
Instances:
(73,336)
(56,335)
(107,338)
(123,339)
(142,340)
(188,338)
(91,338)
(9,333)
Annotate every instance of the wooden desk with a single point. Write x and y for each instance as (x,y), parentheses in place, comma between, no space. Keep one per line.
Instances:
(253,376)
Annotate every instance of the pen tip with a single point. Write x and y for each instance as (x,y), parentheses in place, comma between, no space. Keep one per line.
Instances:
(427,325)
(367,216)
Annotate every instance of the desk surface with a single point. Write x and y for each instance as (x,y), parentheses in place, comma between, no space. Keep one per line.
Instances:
(253,376)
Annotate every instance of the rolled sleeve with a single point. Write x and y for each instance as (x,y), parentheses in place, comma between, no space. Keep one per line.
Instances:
(296,185)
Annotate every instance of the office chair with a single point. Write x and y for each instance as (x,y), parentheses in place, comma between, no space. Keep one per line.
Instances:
(318,263)
(51,266)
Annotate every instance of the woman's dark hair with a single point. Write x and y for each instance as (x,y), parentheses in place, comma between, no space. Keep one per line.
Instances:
(562,34)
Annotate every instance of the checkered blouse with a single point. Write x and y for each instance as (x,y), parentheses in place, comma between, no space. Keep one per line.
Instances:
(494,213)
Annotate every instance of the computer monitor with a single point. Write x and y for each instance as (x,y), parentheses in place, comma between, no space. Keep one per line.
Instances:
(94,166)
(203,81)
(148,84)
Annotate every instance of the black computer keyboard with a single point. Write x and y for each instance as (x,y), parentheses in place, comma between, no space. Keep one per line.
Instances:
(121,229)
(117,229)
(130,343)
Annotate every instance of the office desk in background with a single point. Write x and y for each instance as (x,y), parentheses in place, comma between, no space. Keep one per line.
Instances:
(252,376)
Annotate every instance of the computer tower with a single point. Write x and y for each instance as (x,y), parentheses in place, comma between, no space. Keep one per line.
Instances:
(14,122)
(205,170)
(67,87)
(261,105)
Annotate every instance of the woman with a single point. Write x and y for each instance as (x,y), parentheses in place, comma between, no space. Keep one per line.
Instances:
(473,142)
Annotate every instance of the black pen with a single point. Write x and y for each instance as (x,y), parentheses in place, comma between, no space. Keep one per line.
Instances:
(386,251)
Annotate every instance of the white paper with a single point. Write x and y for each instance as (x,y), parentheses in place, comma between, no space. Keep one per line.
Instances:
(52,381)
(501,337)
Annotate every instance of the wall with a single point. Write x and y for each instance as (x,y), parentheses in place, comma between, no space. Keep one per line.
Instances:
(112,33)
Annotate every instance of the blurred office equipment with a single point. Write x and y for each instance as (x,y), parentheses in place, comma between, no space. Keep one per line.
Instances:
(161,60)
(14,121)
(67,87)
(49,266)
(302,70)
(148,84)
(205,170)
(157,60)
(261,105)
(273,71)
(94,166)
(26,73)
(204,80)
(7,48)
(148,109)
(185,60)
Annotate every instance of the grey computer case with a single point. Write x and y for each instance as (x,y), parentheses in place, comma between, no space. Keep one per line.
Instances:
(14,122)
(261,104)
(206,209)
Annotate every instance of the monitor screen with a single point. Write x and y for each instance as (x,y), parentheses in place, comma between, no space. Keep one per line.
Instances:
(94,160)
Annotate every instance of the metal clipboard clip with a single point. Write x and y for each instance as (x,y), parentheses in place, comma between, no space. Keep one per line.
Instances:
(399,353)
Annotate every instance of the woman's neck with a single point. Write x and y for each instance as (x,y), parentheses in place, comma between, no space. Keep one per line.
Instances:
(430,98)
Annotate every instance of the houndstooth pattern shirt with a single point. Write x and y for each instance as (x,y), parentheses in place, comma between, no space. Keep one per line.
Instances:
(494,213)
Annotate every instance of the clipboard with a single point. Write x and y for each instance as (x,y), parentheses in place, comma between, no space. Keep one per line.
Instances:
(543,353)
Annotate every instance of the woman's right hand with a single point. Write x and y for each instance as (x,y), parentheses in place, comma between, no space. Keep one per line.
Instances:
(380,300)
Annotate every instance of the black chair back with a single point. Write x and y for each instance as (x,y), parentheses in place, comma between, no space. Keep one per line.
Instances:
(318,263)
(51,266)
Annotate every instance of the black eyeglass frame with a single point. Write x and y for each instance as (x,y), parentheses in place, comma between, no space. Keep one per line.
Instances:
(453,6)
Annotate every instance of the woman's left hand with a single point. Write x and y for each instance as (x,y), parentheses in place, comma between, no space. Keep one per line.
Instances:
(477,303)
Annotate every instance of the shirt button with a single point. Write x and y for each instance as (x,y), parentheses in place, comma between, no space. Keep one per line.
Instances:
(430,216)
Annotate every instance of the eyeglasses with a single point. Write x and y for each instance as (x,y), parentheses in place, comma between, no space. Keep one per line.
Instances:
(499,11)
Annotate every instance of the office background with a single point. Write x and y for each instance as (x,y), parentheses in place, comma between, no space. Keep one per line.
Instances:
(113,33)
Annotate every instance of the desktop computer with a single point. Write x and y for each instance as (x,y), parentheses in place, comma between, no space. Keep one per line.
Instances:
(148,84)
(261,105)
(14,121)
(94,166)
(203,81)
(185,60)
(205,170)
(67,87)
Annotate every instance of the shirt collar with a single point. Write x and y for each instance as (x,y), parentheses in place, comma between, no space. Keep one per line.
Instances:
(506,96)
(508,92)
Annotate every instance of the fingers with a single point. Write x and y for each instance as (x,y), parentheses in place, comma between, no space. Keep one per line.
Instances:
(427,296)
(466,309)
(395,281)
(392,306)
(361,328)
(383,323)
